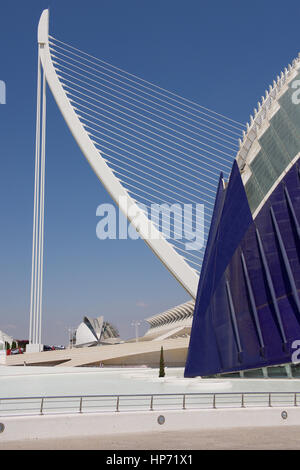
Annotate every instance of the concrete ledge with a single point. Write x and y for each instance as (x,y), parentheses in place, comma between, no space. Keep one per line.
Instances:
(123,354)
(65,426)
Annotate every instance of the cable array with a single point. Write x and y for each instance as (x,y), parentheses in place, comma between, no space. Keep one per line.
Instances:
(163,148)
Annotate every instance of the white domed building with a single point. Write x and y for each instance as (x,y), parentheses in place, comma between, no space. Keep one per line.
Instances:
(94,332)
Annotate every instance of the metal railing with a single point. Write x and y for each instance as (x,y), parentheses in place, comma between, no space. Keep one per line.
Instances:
(17,406)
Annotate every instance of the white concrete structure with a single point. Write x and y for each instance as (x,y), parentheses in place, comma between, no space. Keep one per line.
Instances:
(173,323)
(35,429)
(182,259)
(96,341)
(175,263)
(2,348)
(95,331)
(124,354)
(4,338)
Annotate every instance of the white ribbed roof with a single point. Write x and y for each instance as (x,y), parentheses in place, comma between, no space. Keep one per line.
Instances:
(263,107)
(180,312)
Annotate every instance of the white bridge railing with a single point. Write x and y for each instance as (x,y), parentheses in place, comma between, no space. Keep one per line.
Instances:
(152,402)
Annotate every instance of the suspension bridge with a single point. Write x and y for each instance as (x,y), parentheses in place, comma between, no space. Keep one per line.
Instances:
(147,145)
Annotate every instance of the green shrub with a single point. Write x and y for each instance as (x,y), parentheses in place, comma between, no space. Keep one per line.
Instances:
(161,363)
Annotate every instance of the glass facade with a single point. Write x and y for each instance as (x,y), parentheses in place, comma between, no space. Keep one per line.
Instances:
(279,144)
(273,372)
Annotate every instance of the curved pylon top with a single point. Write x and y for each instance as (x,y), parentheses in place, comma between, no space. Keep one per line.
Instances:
(43,28)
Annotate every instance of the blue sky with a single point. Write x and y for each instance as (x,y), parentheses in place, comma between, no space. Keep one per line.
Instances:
(222,55)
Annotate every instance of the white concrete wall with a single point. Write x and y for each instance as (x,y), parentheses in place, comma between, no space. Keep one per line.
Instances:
(105,424)
(175,351)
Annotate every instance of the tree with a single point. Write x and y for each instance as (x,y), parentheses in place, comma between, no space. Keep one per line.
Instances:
(161,363)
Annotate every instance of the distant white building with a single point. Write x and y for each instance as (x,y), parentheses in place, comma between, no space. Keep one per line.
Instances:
(4,338)
(173,323)
(95,331)
(170,330)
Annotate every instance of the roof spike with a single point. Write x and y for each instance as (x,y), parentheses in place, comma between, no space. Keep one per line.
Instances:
(244,134)
(259,106)
(240,143)
(251,119)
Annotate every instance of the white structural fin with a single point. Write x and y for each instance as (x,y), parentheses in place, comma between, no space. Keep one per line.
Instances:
(173,261)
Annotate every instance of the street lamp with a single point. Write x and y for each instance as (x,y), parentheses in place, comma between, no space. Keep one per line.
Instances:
(136,324)
(71,332)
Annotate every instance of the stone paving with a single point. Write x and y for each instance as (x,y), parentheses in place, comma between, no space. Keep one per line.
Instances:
(275,438)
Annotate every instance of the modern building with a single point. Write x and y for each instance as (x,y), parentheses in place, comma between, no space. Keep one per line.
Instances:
(5,341)
(247,311)
(173,323)
(95,331)
(97,342)
(5,338)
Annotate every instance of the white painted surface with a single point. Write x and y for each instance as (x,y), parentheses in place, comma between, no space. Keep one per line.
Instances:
(105,424)
(142,352)
(46,381)
(34,348)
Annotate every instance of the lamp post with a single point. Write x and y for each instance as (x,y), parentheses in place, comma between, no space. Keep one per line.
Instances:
(71,331)
(136,324)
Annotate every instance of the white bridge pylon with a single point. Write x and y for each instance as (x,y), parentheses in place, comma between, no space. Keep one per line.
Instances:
(35,325)
(175,263)
(187,161)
